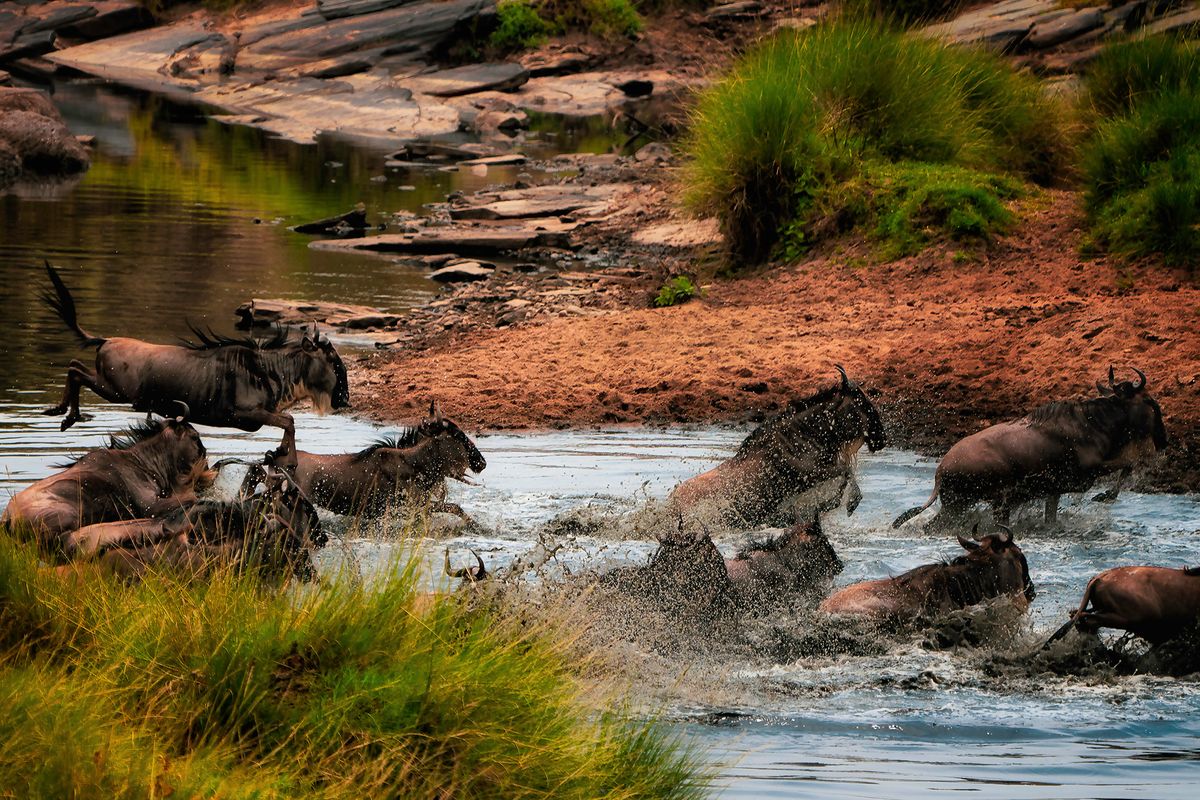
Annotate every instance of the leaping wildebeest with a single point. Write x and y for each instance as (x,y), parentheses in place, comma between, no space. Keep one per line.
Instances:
(1060,448)
(230,383)
(810,442)
(409,467)
(150,470)
(1155,603)
(992,567)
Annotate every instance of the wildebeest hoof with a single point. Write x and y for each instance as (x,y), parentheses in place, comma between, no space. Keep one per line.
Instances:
(852,504)
(69,421)
(54,412)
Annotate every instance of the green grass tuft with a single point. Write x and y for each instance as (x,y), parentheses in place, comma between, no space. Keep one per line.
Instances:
(225,688)
(677,290)
(1125,74)
(803,113)
(518,26)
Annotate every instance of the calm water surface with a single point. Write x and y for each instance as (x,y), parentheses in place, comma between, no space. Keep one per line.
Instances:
(163,227)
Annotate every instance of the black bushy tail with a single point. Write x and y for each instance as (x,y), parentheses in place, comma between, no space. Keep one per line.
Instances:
(64,305)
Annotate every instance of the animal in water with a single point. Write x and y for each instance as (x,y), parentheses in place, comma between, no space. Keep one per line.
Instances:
(408,468)
(150,470)
(1156,603)
(233,383)
(812,441)
(273,532)
(992,567)
(802,560)
(1061,447)
(691,573)
(468,574)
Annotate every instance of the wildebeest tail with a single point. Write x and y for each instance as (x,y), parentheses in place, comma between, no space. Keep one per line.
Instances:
(64,305)
(1083,604)
(914,511)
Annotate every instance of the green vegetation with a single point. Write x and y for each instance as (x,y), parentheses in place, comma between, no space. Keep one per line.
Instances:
(522,24)
(1142,160)
(228,689)
(779,146)
(677,290)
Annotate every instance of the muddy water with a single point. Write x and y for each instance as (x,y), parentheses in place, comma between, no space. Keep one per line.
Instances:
(904,721)
(164,226)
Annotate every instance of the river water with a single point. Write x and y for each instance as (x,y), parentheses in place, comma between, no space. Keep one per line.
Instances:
(163,227)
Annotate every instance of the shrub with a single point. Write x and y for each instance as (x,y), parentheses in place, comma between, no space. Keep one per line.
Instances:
(677,290)
(1127,73)
(518,26)
(227,689)
(612,19)
(1143,175)
(803,112)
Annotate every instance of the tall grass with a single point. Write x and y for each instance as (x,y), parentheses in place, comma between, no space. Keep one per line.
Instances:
(802,114)
(223,688)
(1142,159)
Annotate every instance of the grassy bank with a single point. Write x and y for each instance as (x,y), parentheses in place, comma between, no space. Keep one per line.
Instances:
(855,124)
(1142,158)
(228,689)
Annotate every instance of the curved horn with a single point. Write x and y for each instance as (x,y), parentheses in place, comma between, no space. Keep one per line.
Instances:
(1112,377)
(453,573)
(1141,379)
(186,410)
(845,377)
(970,544)
(482,569)
(1007,536)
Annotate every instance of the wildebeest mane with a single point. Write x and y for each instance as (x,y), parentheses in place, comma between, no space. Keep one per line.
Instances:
(797,413)
(208,339)
(1075,417)
(961,584)
(406,437)
(123,440)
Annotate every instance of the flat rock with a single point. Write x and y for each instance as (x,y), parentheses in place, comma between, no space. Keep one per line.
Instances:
(557,60)
(112,17)
(1173,23)
(537,201)
(260,311)
(353,220)
(1064,28)
(338,9)
(55,15)
(133,57)
(740,9)
(483,240)
(28,44)
(496,161)
(462,272)
(499,76)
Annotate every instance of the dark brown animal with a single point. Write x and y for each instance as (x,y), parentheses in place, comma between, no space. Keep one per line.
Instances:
(813,441)
(273,533)
(1155,603)
(409,468)
(152,469)
(991,568)
(1060,448)
(800,561)
(238,383)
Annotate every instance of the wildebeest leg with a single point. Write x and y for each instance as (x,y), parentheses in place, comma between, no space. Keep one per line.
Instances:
(1111,494)
(1052,510)
(856,494)
(92,539)
(79,375)
(284,456)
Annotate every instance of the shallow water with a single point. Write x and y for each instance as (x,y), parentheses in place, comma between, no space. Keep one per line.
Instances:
(163,227)
(904,723)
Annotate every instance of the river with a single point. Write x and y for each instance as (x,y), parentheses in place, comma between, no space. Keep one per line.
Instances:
(163,229)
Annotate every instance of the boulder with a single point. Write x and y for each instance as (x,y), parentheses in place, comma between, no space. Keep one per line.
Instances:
(260,312)
(499,76)
(557,60)
(34,137)
(353,220)
(462,272)
(1064,28)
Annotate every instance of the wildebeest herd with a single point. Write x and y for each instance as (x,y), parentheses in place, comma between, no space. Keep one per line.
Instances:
(137,504)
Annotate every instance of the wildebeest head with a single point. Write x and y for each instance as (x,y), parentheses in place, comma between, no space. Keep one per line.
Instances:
(1144,413)
(469,574)
(172,443)
(324,372)
(999,560)
(872,428)
(456,453)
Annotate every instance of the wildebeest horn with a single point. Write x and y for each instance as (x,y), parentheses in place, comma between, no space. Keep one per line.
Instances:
(1006,534)
(186,410)
(1112,377)
(845,377)
(1141,379)
(970,544)
(472,574)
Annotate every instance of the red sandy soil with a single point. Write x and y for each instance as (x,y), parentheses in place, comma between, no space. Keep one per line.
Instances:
(950,344)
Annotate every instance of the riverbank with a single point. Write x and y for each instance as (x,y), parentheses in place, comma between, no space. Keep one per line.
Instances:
(951,339)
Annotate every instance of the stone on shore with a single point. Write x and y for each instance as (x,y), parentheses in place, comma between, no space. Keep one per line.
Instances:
(1064,28)
(261,312)
(34,140)
(462,272)
(499,77)
(482,240)
(551,200)
(354,220)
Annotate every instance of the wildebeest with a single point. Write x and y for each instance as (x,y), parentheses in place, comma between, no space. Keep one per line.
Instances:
(812,441)
(992,567)
(238,383)
(273,532)
(150,470)
(409,467)
(1060,448)
(802,560)
(1155,603)
(469,574)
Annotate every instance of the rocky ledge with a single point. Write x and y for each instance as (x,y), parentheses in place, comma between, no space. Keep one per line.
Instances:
(34,140)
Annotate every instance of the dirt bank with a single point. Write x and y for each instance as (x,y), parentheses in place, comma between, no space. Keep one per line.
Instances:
(952,340)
